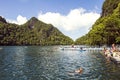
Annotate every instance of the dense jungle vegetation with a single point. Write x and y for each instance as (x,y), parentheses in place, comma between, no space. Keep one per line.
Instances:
(106,29)
(34,32)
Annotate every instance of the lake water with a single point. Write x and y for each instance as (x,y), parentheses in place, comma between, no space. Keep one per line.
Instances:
(51,63)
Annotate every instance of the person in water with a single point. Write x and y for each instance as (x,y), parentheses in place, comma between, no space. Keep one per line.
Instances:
(72,45)
(105,51)
(80,70)
(81,48)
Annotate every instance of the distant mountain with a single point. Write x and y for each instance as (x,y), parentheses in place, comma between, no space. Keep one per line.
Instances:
(106,29)
(33,32)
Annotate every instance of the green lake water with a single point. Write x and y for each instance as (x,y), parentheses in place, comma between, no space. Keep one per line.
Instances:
(51,63)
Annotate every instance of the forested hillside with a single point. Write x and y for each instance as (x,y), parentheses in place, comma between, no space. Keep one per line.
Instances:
(106,29)
(34,32)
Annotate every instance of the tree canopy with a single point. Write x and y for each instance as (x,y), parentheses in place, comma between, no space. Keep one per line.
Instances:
(34,32)
(106,29)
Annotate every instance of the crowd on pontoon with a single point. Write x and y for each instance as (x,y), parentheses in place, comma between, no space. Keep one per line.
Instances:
(112,51)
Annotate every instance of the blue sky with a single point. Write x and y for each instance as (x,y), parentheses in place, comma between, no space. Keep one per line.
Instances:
(57,12)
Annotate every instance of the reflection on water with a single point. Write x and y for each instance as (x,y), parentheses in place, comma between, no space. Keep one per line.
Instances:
(50,63)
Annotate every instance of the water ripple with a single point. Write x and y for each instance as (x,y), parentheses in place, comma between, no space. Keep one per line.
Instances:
(50,63)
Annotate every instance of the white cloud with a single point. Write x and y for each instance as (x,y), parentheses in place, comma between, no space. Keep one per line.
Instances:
(75,24)
(20,20)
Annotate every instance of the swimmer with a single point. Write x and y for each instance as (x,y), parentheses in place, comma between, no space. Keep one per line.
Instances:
(80,70)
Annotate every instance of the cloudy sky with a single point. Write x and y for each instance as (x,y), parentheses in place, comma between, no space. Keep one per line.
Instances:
(74,18)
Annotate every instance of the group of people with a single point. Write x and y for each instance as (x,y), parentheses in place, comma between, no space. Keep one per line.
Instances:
(109,53)
(114,48)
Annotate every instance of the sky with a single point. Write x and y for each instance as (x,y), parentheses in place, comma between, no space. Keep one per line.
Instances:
(73,18)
